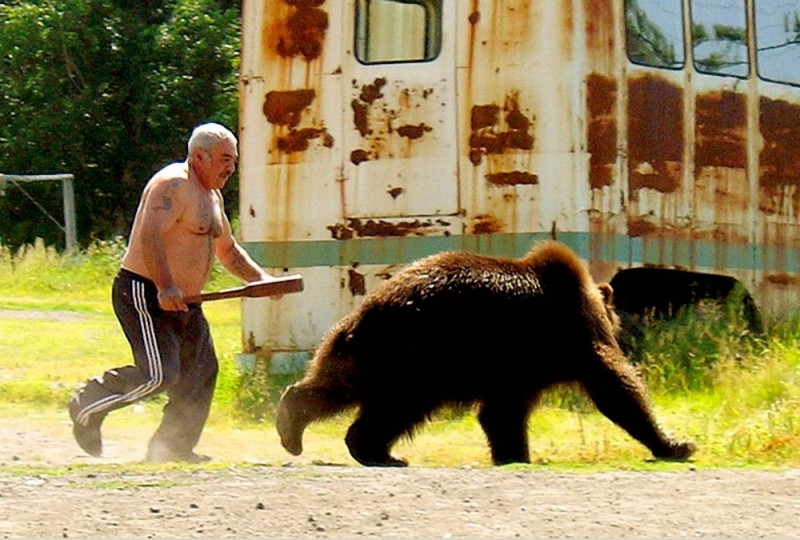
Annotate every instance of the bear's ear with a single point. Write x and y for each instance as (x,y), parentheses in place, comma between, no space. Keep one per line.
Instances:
(611,313)
(608,293)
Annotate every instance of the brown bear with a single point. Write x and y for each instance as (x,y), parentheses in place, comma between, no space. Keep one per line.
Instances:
(462,328)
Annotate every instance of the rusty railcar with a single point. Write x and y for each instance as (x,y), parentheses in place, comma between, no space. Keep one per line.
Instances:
(656,134)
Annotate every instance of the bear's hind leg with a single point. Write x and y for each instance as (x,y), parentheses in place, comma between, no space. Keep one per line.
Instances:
(505,423)
(620,395)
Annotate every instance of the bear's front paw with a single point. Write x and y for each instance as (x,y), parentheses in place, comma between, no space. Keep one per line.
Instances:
(387,462)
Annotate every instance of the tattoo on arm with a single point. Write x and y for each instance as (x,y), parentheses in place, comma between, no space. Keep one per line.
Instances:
(166,196)
(240,265)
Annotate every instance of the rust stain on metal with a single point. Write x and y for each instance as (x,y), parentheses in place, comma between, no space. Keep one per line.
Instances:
(395,192)
(640,227)
(339,231)
(390,125)
(780,156)
(356,283)
(601,98)
(358,156)
(486,224)
(305,30)
(600,28)
(413,132)
(368,95)
(475,15)
(512,178)
(484,116)
(517,121)
(720,135)
(655,134)
(285,108)
(381,228)
(297,139)
(493,133)
(510,20)
(372,92)
(481,117)
(305,4)
(474,19)
(782,279)
(568,24)
(360,117)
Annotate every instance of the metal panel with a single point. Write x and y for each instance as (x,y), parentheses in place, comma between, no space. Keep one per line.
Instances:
(521,155)
(778,198)
(290,120)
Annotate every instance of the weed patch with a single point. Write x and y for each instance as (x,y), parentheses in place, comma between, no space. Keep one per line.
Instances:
(736,395)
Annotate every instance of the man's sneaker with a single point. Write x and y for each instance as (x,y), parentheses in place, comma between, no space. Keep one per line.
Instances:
(87,435)
(168,457)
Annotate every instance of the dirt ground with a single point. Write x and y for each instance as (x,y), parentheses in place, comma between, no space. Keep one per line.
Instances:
(50,489)
(301,499)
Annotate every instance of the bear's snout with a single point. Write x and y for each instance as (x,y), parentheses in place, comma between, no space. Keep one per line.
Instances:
(291,436)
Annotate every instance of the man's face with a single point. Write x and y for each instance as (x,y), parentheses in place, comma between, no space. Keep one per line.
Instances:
(215,168)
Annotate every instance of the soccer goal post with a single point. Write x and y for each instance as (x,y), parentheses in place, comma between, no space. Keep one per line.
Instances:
(68,193)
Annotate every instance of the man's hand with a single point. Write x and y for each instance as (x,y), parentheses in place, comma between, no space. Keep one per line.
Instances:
(170,298)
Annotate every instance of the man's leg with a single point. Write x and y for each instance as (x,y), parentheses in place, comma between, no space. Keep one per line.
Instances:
(97,398)
(154,349)
(187,410)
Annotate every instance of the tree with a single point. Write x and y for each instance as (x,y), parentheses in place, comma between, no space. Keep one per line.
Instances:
(106,90)
(725,46)
(646,43)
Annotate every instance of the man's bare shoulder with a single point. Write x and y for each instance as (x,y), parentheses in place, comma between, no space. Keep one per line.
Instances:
(166,189)
(172,172)
(167,180)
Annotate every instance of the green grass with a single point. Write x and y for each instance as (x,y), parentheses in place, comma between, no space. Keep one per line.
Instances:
(737,397)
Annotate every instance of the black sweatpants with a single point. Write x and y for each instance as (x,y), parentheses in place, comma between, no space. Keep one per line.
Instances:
(173,352)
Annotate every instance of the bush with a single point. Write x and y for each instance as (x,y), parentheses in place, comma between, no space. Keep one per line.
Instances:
(683,353)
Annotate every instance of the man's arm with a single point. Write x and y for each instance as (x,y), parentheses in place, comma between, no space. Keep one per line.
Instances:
(161,210)
(233,256)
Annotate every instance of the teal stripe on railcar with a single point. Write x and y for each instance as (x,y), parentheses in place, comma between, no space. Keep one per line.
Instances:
(620,248)
(391,250)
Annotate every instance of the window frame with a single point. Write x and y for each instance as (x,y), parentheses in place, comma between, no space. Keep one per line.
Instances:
(747,29)
(432,39)
(679,65)
(758,50)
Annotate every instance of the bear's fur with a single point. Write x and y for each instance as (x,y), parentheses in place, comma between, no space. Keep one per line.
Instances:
(461,328)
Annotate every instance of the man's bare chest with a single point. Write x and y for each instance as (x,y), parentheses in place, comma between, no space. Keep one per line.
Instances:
(205,216)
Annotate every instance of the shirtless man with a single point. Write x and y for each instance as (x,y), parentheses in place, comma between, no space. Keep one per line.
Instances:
(180,226)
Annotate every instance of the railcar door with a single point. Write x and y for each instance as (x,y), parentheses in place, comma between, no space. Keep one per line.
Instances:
(400,156)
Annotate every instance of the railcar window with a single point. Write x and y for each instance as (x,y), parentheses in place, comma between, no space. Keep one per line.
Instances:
(654,32)
(778,40)
(719,37)
(398,30)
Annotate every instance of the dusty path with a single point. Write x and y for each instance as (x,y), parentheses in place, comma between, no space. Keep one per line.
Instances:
(347,502)
(306,500)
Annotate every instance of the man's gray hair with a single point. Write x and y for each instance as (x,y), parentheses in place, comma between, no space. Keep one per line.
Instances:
(207,136)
